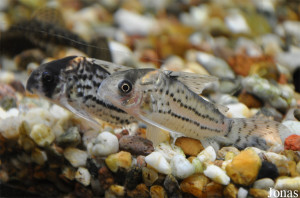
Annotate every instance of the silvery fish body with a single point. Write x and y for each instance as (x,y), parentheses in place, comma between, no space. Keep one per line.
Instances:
(72,82)
(171,101)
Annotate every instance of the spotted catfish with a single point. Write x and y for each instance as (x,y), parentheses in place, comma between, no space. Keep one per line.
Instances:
(171,101)
(72,82)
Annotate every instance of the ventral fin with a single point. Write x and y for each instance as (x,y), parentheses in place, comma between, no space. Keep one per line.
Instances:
(156,135)
(195,82)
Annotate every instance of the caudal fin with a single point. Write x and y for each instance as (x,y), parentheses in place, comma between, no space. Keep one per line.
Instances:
(262,134)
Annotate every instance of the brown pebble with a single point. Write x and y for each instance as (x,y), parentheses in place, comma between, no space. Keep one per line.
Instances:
(258,193)
(105,177)
(189,146)
(249,100)
(157,191)
(140,191)
(214,190)
(136,145)
(230,191)
(195,185)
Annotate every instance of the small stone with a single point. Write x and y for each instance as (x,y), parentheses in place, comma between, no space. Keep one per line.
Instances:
(117,190)
(216,174)
(207,155)
(181,167)
(140,191)
(198,166)
(214,189)
(158,162)
(39,156)
(42,135)
(169,151)
(259,193)
(68,172)
(238,110)
(118,160)
(189,146)
(297,114)
(75,156)
(157,191)
(244,167)
(298,167)
(288,183)
(242,193)
(140,161)
(268,170)
(106,143)
(265,183)
(69,138)
(292,143)
(195,185)
(133,178)
(83,176)
(9,127)
(149,176)
(249,100)
(224,150)
(136,145)
(172,187)
(230,191)
(105,178)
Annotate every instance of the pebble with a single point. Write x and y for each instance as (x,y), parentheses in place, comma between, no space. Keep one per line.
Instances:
(198,166)
(158,162)
(149,176)
(133,178)
(42,135)
(83,176)
(117,190)
(189,146)
(230,191)
(242,193)
(9,127)
(106,143)
(68,172)
(140,191)
(236,22)
(181,167)
(293,126)
(168,151)
(238,110)
(216,174)
(268,170)
(172,187)
(288,183)
(157,191)
(195,185)
(244,167)
(70,138)
(265,183)
(259,193)
(298,167)
(207,155)
(224,150)
(136,145)
(292,143)
(39,156)
(118,160)
(75,156)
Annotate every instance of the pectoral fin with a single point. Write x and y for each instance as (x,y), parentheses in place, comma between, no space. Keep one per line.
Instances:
(157,135)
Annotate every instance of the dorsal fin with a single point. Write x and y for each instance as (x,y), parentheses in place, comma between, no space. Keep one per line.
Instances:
(195,82)
(108,66)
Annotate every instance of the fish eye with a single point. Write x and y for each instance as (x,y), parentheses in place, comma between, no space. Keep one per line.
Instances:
(47,77)
(125,86)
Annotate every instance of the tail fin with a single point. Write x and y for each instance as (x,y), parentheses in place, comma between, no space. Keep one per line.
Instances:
(262,134)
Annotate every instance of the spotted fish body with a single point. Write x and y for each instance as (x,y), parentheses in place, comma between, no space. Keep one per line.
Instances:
(72,83)
(165,99)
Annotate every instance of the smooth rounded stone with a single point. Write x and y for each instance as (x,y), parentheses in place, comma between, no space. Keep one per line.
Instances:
(271,43)
(198,166)
(134,24)
(292,143)
(215,66)
(196,16)
(214,189)
(136,145)
(195,185)
(120,53)
(68,172)
(9,127)
(169,151)
(149,176)
(195,67)
(230,191)
(106,143)
(207,155)
(172,187)
(238,110)
(39,116)
(83,176)
(249,46)
(265,183)
(158,162)
(298,167)
(38,156)
(42,135)
(288,183)
(181,167)
(117,190)
(75,156)
(60,113)
(236,22)
(297,114)
(221,154)
(157,191)
(244,167)
(216,174)
(293,126)
(189,146)
(70,138)
(289,59)
(133,178)
(259,193)
(119,160)
(140,191)
(242,193)
(173,63)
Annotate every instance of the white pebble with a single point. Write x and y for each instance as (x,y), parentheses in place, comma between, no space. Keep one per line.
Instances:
(207,155)
(39,156)
(236,22)
(181,167)
(75,156)
(106,144)
(42,134)
(216,174)
(265,183)
(293,126)
(9,127)
(169,151)
(158,162)
(288,183)
(60,113)
(238,110)
(83,176)
(242,193)
(39,116)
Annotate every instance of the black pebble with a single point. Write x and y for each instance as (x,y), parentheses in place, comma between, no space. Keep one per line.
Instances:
(133,178)
(268,170)
(296,78)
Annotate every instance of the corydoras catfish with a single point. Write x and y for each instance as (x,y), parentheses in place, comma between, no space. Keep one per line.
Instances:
(72,82)
(171,101)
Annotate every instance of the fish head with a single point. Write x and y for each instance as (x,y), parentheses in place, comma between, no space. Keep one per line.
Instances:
(124,90)
(45,80)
